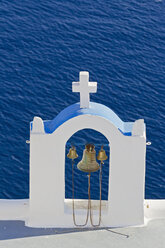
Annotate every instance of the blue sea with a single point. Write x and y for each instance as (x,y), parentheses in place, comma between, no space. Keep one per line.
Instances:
(44,45)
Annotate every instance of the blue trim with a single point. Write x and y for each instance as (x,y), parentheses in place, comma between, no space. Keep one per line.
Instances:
(126,134)
(94,109)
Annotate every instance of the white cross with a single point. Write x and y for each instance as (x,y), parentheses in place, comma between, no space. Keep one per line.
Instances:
(84,87)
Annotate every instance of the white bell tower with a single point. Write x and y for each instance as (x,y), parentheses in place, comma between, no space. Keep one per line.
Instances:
(125,205)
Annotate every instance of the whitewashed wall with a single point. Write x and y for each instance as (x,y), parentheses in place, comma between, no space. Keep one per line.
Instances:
(126,177)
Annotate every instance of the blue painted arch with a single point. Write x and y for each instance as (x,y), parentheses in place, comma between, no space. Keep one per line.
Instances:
(94,109)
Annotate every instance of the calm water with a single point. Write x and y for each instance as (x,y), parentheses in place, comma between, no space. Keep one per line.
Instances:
(44,45)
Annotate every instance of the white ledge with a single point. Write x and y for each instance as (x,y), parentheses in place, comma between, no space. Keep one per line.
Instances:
(19,209)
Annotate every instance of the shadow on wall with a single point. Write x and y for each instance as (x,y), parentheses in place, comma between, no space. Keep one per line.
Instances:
(17,229)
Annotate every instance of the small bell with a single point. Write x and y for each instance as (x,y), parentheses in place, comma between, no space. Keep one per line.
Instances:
(72,153)
(102,155)
(88,162)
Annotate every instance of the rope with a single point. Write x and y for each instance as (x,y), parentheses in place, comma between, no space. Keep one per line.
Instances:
(91,217)
(74,218)
(89,208)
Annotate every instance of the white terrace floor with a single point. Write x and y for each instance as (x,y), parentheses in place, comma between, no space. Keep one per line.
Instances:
(14,234)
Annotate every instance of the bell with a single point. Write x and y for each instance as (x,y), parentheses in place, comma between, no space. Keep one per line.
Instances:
(88,162)
(102,155)
(72,153)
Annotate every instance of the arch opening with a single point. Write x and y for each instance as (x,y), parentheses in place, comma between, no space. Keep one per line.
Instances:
(79,140)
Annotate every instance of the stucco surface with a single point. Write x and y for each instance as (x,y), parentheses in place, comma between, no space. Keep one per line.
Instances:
(16,235)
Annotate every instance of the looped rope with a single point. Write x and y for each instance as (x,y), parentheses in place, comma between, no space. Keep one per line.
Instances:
(89,208)
(91,217)
(74,218)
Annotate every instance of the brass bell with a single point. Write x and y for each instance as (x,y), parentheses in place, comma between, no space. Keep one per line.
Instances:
(88,162)
(102,155)
(72,153)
